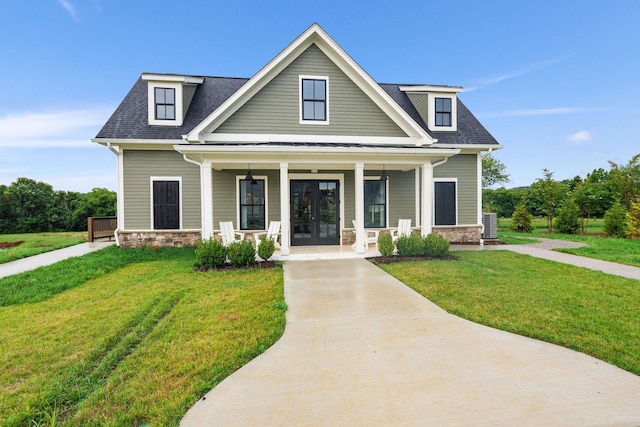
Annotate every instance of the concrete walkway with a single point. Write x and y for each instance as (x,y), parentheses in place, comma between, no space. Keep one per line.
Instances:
(362,349)
(48,258)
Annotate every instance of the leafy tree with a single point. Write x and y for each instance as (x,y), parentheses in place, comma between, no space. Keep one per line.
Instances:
(493,172)
(521,221)
(31,202)
(593,196)
(502,201)
(568,219)
(98,202)
(614,221)
(625,180)
(6,217)
(632,224)
(549,193)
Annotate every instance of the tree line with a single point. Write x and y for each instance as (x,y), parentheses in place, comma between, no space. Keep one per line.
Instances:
(602,192)
(29,206)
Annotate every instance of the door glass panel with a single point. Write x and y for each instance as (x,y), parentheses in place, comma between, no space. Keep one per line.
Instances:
(327,210)
(301,199)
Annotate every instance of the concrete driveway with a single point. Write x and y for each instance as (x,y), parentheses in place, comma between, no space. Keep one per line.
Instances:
(362,349)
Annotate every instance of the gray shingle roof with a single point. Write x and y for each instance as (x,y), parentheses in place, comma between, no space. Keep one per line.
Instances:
(129,121)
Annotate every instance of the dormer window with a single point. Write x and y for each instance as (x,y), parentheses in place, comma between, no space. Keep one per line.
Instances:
(165,102)
(314,100)
(443,111)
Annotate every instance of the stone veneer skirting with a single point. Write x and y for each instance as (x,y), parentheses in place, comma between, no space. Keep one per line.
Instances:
(453,233)
(175,238)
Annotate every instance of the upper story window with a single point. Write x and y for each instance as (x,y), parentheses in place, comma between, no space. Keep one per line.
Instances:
(314,93)
(443,111)
(165,103)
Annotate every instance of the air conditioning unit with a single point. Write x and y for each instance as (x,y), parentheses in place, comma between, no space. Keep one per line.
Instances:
(490,222)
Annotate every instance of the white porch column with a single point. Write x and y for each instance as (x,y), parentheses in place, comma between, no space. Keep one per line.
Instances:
(206,184)
(285,209)
(417,195)
(427,198)
(360,247)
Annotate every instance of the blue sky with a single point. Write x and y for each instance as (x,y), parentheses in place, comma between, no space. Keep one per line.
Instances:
(556,82)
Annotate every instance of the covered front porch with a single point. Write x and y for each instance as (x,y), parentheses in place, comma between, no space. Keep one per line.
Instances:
(285,167)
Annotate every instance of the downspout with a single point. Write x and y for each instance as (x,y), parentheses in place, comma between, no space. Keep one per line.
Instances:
(481,222)
(116,231)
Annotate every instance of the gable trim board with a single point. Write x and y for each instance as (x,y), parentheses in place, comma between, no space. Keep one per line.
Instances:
(211,153)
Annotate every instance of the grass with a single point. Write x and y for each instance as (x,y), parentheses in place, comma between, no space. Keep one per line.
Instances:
(126,337)
(622,251)
(37,243)
(584,310)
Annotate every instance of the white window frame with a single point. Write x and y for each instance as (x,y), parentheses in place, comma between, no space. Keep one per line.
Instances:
(152,179)
(386,202)
(300,106)
(266,200)
(152,103)
(432,112)
(433,212)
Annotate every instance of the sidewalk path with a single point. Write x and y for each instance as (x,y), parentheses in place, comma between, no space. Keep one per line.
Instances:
(48,258)
(362,349)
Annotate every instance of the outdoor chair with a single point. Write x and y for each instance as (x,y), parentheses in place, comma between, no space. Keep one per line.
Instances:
(229,234)
(404,229)
(273,233)
(371,236)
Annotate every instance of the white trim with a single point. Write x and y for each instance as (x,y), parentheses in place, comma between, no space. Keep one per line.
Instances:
(386,202)
(266,200)
(301,106)
(172,78)
(285,206)
(151,86)
(359,208)
(431,112)
(320,177)
(430,88)
(454,180)
(470,147)
(313,35)
(120,196)
(479,188)
(427,198)
(120,141)
(165,178)
(250,138)
(416,184)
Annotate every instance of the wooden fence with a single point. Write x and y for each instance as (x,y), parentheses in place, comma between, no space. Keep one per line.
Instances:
(101,227)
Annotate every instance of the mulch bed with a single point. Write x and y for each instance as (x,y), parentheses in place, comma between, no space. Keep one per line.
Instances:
(230,267)
(7,245)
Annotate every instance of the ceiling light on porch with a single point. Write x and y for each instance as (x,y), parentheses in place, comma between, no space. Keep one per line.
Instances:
(249,177)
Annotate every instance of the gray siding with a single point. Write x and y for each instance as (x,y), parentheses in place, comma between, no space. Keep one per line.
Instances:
(187,96)
(275,109)
(139,166)
(421,102)
(402,197)
(463,167)
(225,195)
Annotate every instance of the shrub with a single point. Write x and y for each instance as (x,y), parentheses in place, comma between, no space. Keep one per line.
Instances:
(614,221)
(266,247)
(385,245)
(568,219)
(210,254)
(241,254)
(435,246)
(521,220)
(632,224)
(409,246)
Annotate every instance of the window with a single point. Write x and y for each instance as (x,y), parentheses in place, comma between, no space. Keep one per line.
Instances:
(165,102)
(445,203)
(443,112)
(252,204)
(166,205)
(375,204)
(314,99)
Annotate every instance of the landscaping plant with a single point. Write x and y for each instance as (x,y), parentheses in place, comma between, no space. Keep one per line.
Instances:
(435,246)
(210,254)
(385,245)
(266,247)
(568,219)
(409,246)
(632,224)
(614,220)
(521,220)
(241,254)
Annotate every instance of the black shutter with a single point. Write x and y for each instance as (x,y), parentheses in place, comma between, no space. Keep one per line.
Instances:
(166,205)
(445,203)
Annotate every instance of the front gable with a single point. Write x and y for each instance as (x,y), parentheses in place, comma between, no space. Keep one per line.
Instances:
(275,109)
(268,105)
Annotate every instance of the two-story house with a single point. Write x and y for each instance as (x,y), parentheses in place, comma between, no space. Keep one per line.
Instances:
(311,140)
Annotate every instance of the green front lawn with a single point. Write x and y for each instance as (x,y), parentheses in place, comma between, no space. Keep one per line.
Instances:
(37,243)
(588,311)
(123,337)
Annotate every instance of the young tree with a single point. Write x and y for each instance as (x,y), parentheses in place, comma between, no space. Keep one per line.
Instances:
(614,220)
(625,180)
(568,219)
(493,172)
(550,194)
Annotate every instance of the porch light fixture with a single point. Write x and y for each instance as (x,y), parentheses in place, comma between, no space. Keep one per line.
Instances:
(249,176)
(383,177)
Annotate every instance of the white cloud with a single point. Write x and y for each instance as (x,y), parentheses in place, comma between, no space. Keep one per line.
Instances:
(12,171)
(580,137)
(70,8)
(535,112)
(59,129)
(506,76)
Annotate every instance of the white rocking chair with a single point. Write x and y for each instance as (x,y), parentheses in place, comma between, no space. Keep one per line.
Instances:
(273,233)
(404,229)
(371,236)
(229,234)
